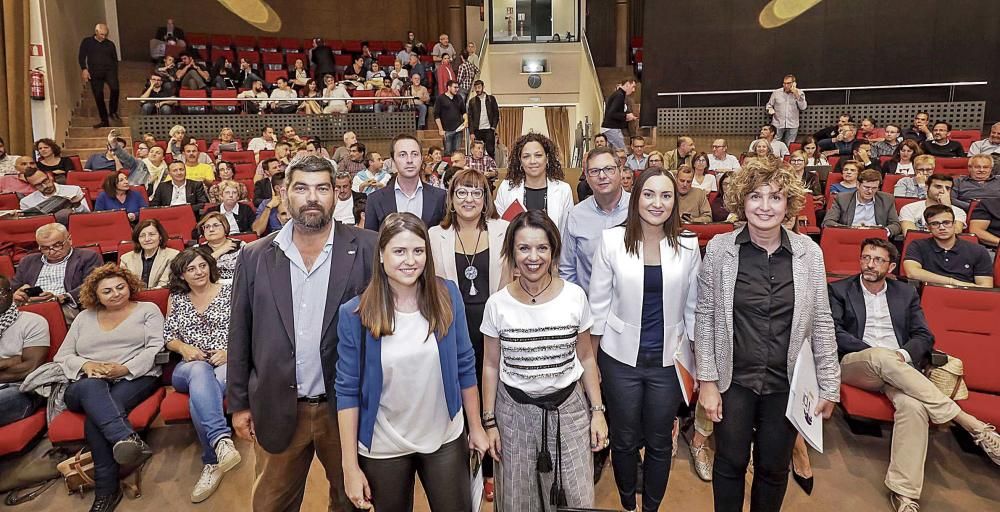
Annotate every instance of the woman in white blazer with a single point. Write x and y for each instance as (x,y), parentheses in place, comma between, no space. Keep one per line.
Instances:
(467,249)
(150,260)
(535,180)
(643,291)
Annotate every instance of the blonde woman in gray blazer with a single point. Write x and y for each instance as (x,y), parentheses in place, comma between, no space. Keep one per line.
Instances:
(150,240)
(762,294)
(643,291)
(466,248)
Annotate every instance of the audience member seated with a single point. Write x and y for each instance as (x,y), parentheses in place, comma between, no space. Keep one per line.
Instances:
(157,89)
(239,215)
(16,183)
(980,184)
(988,146)
(904,159)
(169,40)
(985,222)
(884,346)
(280,97)
(636,160)
(404,54)
(887,146)
(862,155)
(180,190)
(226,142)
(51,197)
(292,139)
(265,142)
(720,160)
(149,170)
(263,186)
(398,74)
(254,92)
(197,171)
(655,158)
(117,194)
(343,210)
(168,71)
(109,358)
(282,154)
(178,138)
(51,161)
(298,76)
(226,172)
(831,131)
(418,47)
(938,191)
(56,272)
(341,102)
(870,131)
(810,179)
(150,257)
(916,185)
(920,130)
(681,155)
(104,161)
(314,147)
(442,48)
(720,212)
(702,179)
(849,183)
(814,155)
(761,150)
(215,228)
(692,202)
(272,213)
(387,105)
(197,328)
(866,206)
(941,145)
(842,145)
(192,74)
(245,77)
(373,177)
(484,163)
(24,346)
(357,160)
(422,98)
(767,133)
(415,67)
(944,258)
(314,106)
(628,179)
(356,71)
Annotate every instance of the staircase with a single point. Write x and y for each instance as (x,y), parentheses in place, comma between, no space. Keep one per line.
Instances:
(84,140)
(609,78)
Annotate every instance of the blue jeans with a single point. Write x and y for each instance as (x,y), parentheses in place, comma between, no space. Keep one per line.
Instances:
(786,135)
(106,405)
(452,141)
(421,116)
(205,385)
(616,138)
(646,418)
(15,405)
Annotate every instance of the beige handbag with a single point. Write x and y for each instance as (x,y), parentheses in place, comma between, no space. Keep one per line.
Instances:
(950,379)
(78,472)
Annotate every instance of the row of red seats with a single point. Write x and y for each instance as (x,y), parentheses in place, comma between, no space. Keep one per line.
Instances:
(285,44)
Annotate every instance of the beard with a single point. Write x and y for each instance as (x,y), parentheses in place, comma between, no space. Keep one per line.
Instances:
(311,216)
(872,276)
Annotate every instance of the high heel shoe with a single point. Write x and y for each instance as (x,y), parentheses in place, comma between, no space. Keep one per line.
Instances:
(805,483)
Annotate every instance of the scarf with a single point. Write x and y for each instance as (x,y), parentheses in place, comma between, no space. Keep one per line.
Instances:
(8,318)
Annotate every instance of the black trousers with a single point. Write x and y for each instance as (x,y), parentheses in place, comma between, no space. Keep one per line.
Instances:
(489,138)
(444,475)
(645,417)
(749,418)
(97,81)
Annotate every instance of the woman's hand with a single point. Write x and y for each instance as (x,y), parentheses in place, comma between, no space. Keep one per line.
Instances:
(217,357)
(115,370)
(356,488)
(824,407)
(191,353)
(494,439)
(478,440)
(711,400)
(598,432)
(93,370)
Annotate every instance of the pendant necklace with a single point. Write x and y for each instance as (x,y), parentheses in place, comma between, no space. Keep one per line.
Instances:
(535,295)
(471,273)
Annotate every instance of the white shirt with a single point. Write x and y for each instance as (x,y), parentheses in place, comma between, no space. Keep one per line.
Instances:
(914,212)
(878,323)
(484,120)
(538,341)
(234,228)
(68,191)
(984,147)
(258,144)
(906,169)
(278,94)
(730,163)
(709,184)
(412,411)
(179,195)
(344,210)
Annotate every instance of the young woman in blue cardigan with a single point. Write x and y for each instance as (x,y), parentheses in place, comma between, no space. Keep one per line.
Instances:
(405,373)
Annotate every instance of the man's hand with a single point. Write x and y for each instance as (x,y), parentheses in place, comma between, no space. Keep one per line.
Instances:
(274,202)
(243,423)
(85,74)
(630,117)
(20,297)
(44,297)
(944,198)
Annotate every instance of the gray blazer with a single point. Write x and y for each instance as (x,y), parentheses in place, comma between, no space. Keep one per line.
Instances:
(841,212)
(811,320)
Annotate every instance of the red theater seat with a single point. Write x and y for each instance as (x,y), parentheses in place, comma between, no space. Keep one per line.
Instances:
(6,265)
(889,182)
(811,226)
(239,157)
(67,427)
(9,201)
(177,220)
(91,180)
(77,164)
(951,166)
(966,137)
(18,235)
(860,403)
(903,201)
(842,246)
(106,229)
(708,230)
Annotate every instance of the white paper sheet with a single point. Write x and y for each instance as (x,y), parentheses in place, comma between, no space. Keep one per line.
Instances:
(803,397)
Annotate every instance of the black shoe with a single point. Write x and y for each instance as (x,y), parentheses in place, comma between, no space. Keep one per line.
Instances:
(600,460)
(102,124)
(107,502)
(805,483)
(116,117)
(131,451)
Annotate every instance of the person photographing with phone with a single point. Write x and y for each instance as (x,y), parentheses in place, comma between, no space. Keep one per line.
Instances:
(784,106)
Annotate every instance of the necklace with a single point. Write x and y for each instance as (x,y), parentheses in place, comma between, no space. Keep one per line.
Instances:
(535,295)
(471,273)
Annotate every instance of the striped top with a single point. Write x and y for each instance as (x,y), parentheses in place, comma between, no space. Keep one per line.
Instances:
(538,341)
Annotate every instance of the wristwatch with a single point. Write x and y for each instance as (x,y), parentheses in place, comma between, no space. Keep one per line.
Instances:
(598,408)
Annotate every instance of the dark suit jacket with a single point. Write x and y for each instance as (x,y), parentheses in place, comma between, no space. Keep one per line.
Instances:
(245,216)
(847,305)
(262,191)
(261,353)
(382,202)
(492,111)
(195,194)
(615,108)
(841,212)
(80,263)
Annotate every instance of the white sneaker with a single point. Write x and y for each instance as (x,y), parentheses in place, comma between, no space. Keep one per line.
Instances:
(211,477)
(227,455)
(988,439)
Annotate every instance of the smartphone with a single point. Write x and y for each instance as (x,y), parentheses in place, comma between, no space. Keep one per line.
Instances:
(34,291)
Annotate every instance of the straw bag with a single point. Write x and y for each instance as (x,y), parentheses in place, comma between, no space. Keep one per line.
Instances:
(950,378)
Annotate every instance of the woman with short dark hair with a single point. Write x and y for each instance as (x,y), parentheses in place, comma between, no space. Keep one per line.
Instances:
(215,227)
(50,160)
(150,257)
(117,194)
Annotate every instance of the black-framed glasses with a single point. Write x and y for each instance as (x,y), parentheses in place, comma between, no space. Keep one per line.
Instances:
(58,246)
(940,223)
(608,171)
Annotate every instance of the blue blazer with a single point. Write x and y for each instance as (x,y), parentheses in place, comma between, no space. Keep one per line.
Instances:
(458,363)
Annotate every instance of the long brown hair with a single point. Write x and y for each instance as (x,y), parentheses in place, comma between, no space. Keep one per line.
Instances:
(378,305)
(475,179)
(633,223)
(553,168)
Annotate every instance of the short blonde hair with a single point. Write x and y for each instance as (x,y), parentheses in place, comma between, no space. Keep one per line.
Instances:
(224,184)
(923,159)
(757,172)
(177,129)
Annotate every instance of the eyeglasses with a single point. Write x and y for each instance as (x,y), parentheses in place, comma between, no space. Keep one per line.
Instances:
(940,223)
(464,193)
(878,260)
(608,171)
(215,225)
(796,161)
(924,169)
(58,246)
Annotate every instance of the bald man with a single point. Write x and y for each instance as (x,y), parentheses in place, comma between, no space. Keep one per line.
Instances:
(15,183)
(99,65)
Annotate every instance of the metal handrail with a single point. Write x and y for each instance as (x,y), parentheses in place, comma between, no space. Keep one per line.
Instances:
(315,98)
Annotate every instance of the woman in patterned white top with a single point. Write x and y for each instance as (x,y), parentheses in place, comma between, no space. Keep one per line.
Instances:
(537,353)
(215,228)
(197,328)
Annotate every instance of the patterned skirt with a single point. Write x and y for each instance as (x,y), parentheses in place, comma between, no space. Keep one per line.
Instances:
(520,426)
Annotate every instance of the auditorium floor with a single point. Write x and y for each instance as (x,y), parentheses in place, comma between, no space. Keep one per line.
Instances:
(848,478)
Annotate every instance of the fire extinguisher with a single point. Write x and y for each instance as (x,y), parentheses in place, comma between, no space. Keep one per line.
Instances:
(37,84)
